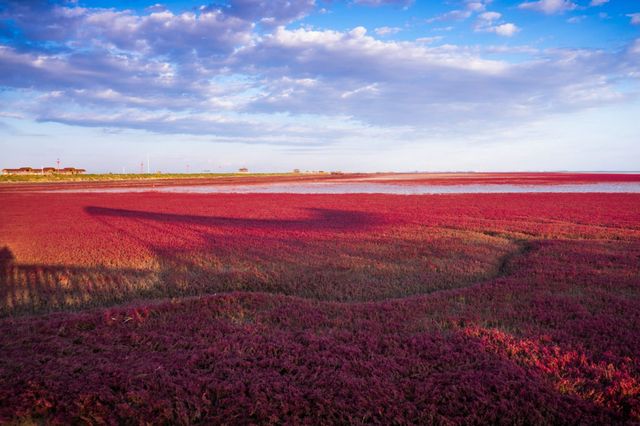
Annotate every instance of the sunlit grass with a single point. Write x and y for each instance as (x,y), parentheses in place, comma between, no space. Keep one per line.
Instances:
(462,309)
(126,176)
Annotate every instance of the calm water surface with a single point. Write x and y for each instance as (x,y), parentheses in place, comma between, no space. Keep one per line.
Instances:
(376,188)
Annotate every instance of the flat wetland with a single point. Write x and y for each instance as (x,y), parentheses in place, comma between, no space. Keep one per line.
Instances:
(344,298)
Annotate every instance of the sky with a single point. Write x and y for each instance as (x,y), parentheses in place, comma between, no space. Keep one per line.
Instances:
(354,85)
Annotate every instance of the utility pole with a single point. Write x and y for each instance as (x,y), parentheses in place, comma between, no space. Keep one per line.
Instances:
(58,165)
(187,169)
(141,167)
(148,168)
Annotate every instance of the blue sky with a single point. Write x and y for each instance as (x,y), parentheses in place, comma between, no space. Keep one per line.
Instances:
(356,85)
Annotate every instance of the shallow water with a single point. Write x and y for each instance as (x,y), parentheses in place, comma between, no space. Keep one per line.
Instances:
(376,188)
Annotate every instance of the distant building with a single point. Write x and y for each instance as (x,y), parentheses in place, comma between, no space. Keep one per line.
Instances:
(296,171)
(20,171)
(43,171)
(243,170)
(71,171)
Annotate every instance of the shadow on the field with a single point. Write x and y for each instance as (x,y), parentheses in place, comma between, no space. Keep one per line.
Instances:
(319,219)
(486,359)
(329,255)
(36,288)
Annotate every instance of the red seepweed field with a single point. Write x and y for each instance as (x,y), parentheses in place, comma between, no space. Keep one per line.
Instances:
(299,309)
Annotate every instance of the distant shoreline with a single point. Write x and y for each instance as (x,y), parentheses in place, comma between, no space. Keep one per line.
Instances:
(154,181)
(163,177)
(98,177)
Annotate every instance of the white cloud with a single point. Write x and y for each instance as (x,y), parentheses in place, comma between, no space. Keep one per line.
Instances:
(272,12)
(549,7)
(635,18)
(211,73)
(369,89)
(490,16)
(475,6)
(470,7)
(576,19)
(595,3)
(486,23)
(376,3)
(358,32)
(208,32)
(387,82)
(428,39)
(453,15)
(383,31)
(506,30)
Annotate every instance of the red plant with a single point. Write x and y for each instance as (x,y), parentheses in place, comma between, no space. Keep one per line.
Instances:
(501,308)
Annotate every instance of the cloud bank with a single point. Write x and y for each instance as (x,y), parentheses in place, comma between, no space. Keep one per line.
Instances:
(246,72)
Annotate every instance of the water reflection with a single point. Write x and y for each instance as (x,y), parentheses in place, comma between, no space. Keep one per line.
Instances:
(378,188)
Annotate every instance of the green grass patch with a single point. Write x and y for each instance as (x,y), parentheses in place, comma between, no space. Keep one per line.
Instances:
(126,176)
